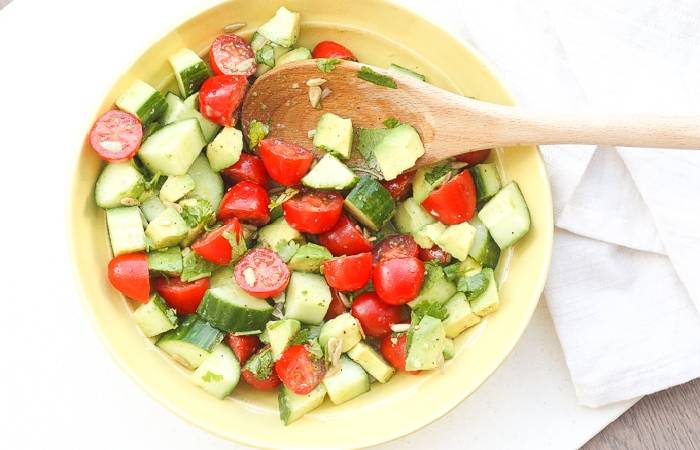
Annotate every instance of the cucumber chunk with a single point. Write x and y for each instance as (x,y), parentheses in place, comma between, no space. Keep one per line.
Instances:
(155,317)
(229,308)
(152,208)
(334,135)
(219,372)
(460,316)
(309,257)
(298,54)
(405,71)
(190,71)
(280,332)
(457,240)
(330,173)
(506,216)
(370,203)
(125,227)
(167,261)
(267,53)
(345,328)
(436,287)
(172,149)
(167,229)
(176,187)
(487,181)
(371,361)
(422,186)
(347,383)
(484,250)
(448,352)
(398,151)
(283,28)
(225,150)
(192,101)
(294,406)
(488,301)
(209,185)
(426,342)
(278,231)
(116,182)
(410,216)
(307,298)
(142,100)
(178,110)
(190,343)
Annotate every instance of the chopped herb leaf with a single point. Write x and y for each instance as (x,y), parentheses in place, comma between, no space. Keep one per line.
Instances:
(257,132)
(237,243)
(437,172)
(194,267)
(370,75)
(301,337)
(211,376)
(428,308)
(474,285)
(266,55)
(283,197)
(327,64)
(392,122)
(196,212)
(315,349)
(260,364)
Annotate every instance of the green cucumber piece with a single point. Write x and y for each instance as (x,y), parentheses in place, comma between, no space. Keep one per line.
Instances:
(142,100)
(334,135)
(192,101)
(209,185)
(484,250)
(371,361)
(229,308)
(370,203)
(155,317)
(190,71)
(506,216)
(177,110)
(280,332)
(176,187)
(436,287)
(330,173)
(405,71)
(427,179)
(125,227)
(410,217)
(167,261)
(448,351)
(172,149)
(367,140)
(279,231)
(487,181)
(191,342)
(425,342)
(345,328)
(460,316)
(307,298)
(488,301)
(152,207)
(309,257)
(298,54)
(293,406)
(167,230)
(219,372)
(347,383)
(225,150)
(116,182)
(283,28)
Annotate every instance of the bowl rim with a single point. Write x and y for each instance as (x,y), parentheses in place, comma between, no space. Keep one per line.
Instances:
(430,417)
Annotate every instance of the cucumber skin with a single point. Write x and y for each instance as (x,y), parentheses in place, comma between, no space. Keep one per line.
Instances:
(153,108)
(231,317)
(372,201)
(196,331)
(193,77)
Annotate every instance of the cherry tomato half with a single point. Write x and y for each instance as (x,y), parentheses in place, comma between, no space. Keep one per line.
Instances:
(375,316)
(262,273)
(243,346)
(129,275)
(267,384)
(330,49)
(345,238)
(220,96)
(454,202)
(398,281)
(299,370)
(116,135)
(395,246)
(394,351)
(435,254)
(183,296)
(474,158)
(248,168)
(348,273)
(230,54)
(399,187)
(214,246)
(313,211)
(285,163)
(246,201)
(336,307)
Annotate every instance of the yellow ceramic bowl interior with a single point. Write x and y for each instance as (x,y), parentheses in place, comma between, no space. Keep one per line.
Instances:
(407,402)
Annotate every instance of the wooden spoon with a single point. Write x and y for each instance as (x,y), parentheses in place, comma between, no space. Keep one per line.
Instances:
(449,124)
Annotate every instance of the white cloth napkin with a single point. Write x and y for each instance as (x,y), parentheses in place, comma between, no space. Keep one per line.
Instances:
(621,290)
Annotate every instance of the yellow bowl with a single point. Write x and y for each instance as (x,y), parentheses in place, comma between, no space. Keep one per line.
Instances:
(388,411)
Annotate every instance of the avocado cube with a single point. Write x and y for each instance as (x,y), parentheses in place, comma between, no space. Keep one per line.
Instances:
(334,135)
(225,150)
(410,216)
(460,316)
(398,151)
(278,231)
(283,28)
(294,406)
(167,261)
(309,257)
(449,351)
(345,328)
(371,361)
(457,240)
(347,383)
(426,342)
(280,332)
(167,229)
(298,54)
(176,187)
(488,301)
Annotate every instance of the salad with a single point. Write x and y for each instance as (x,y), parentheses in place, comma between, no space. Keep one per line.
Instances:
(247,257)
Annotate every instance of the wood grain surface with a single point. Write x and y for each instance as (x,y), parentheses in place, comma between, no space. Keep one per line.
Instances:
(666,420)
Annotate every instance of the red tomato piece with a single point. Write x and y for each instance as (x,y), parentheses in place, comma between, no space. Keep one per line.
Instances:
(394,351)
(299,370)
(313,211)
(214,246)
(285,163)
(116,135)
(246,201)
(230,54)
(454,202)
(345,238)
(375,316)
(262,273)
(336,307)
(129,275)
(348,273)
(435,254)
(396,246)
(267,384)
(330,49)
(183,296)
(399,187)
(474,158)
(248,168)
(398,281)
(243,346)
(220,96)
